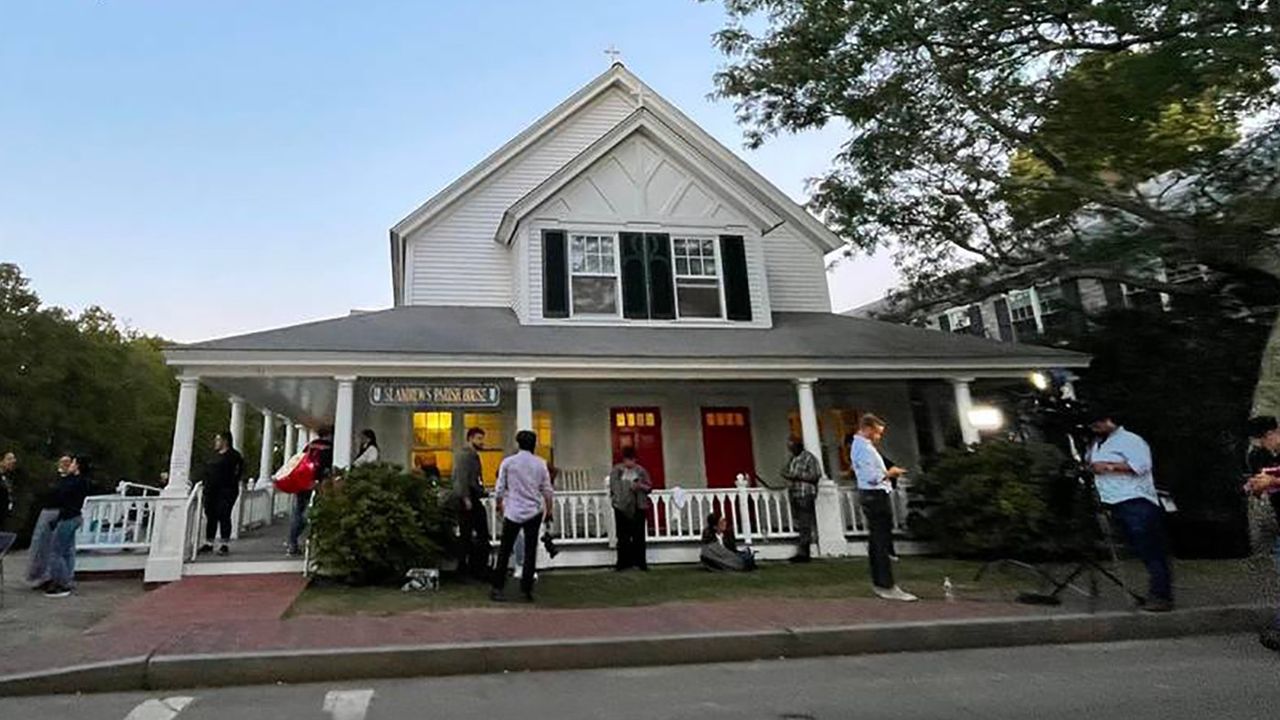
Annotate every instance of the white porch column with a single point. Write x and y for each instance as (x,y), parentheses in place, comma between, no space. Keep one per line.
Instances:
(830,517)
(237,423)
(524,403)
(169,537)
(964,404)
(342,421)
(268,439)
(290,439)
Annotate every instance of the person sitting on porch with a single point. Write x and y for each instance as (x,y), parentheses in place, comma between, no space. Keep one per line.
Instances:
(802,473)
(629,488)
(720,547)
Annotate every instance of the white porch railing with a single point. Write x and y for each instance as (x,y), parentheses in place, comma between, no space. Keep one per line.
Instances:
(856,524)
(114,522)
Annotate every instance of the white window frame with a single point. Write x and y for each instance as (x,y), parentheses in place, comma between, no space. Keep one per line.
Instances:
(616,274)
(719,276)
(958,318)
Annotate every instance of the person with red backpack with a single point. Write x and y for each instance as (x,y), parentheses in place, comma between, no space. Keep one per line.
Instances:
(319,452)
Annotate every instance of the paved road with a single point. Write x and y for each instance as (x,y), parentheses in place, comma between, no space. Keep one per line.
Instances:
(1203,678)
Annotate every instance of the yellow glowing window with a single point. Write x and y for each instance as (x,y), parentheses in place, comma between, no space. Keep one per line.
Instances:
(495,439)
(546,438)
(433,441)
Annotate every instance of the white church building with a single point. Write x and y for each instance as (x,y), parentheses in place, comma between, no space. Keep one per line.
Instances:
(613,276)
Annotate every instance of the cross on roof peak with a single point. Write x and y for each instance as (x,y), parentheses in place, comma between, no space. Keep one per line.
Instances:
(615,55)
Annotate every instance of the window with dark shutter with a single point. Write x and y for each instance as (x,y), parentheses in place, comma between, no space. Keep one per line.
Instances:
(975,321)
(662,293)
(555,275)
(944,322)
(635,276)
(737,289)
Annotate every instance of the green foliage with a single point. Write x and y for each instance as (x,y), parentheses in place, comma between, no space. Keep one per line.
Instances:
(979,130)
(992,501)
(374,524)
(82,384)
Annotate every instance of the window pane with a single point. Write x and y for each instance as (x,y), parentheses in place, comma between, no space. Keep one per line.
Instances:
(682,266)
(594,295)
(708,249)
(700,300)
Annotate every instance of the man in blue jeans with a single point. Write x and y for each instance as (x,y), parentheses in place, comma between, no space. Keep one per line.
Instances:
(1121,465)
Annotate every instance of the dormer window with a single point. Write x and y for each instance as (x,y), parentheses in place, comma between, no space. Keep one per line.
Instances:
(594,268)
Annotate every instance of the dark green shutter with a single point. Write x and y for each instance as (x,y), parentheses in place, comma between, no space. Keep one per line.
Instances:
(1073,306)
(555,274)
(944,322)
(737,289)
(662,288)
(976,326)
(1114,294)
(635,292)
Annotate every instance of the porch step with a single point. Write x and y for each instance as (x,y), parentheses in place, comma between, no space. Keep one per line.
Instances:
(243,567)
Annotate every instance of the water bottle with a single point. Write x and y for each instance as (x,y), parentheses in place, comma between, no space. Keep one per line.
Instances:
(948,592)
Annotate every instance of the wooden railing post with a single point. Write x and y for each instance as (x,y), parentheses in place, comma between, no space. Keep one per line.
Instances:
(744,508)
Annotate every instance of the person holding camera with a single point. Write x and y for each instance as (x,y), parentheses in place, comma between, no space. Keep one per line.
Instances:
(1120,461)
(523,490)
(874,495)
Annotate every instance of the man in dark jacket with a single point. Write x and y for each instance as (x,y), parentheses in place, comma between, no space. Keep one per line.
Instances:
(222,478)
(466,498)
(8,463)
(1264,482)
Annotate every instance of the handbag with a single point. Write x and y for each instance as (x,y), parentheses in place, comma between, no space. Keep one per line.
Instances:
(297,475)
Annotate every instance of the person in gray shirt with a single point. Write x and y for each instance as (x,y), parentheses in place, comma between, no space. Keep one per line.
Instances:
(629,488)
(466,498)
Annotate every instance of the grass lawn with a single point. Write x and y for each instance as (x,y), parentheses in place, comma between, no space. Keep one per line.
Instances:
(1215,580)
(671,583)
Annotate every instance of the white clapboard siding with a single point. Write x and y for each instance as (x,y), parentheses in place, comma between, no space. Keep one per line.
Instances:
(455,260)
(797,273)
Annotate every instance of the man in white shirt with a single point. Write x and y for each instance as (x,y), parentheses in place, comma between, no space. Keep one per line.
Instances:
(524,497)
(874,495)
(1121,464)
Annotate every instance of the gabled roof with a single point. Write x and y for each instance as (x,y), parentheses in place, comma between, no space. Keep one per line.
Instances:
(644,122)
(617,76)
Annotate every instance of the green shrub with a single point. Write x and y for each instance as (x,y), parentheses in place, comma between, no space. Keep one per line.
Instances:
(992,501)
(375,523)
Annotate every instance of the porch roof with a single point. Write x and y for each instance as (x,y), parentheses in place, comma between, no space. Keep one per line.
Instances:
(495,333)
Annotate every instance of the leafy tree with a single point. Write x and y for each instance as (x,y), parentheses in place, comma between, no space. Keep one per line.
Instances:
(1044,138)
(83,384)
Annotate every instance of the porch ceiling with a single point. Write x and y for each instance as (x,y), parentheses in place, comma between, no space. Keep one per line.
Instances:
(310,401)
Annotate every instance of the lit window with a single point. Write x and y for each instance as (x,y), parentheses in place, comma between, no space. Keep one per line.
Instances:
(546,439)
(594,275)
(433,441)
(697,277)
(494,440)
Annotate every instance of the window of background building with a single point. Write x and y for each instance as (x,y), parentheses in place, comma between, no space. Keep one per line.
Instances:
(433,440)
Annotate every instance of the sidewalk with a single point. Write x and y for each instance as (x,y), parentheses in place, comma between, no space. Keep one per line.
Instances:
(187,632)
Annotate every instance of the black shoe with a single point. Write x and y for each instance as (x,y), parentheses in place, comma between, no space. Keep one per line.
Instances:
(799,559)
(497,596)
(526,597)
(205,548)
(1270,638)
(224,550)
(57,591)
(1157,605)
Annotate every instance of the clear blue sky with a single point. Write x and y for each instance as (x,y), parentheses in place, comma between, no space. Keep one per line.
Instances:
(209,167)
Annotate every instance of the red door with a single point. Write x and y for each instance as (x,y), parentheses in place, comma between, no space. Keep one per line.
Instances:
(726,445)
(640,428)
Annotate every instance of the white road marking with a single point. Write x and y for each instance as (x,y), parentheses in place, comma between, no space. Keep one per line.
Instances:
(347,704)
(165,709)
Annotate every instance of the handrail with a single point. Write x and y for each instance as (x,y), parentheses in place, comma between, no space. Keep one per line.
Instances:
(123,487)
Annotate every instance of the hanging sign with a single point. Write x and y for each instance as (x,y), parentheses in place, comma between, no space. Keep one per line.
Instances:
(432,395)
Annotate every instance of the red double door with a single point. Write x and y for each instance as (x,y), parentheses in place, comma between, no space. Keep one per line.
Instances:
(726,442)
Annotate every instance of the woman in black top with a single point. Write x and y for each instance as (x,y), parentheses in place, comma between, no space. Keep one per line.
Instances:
(68,497)
(222,476)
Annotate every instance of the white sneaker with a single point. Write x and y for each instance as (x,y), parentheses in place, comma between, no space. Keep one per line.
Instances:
(894,593)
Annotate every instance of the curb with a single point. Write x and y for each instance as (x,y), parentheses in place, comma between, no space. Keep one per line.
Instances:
(343,664)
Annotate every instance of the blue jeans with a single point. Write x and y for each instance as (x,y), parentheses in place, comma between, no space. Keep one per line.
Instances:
(1142,522)
(62,561)
(298,523)
(41,553)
